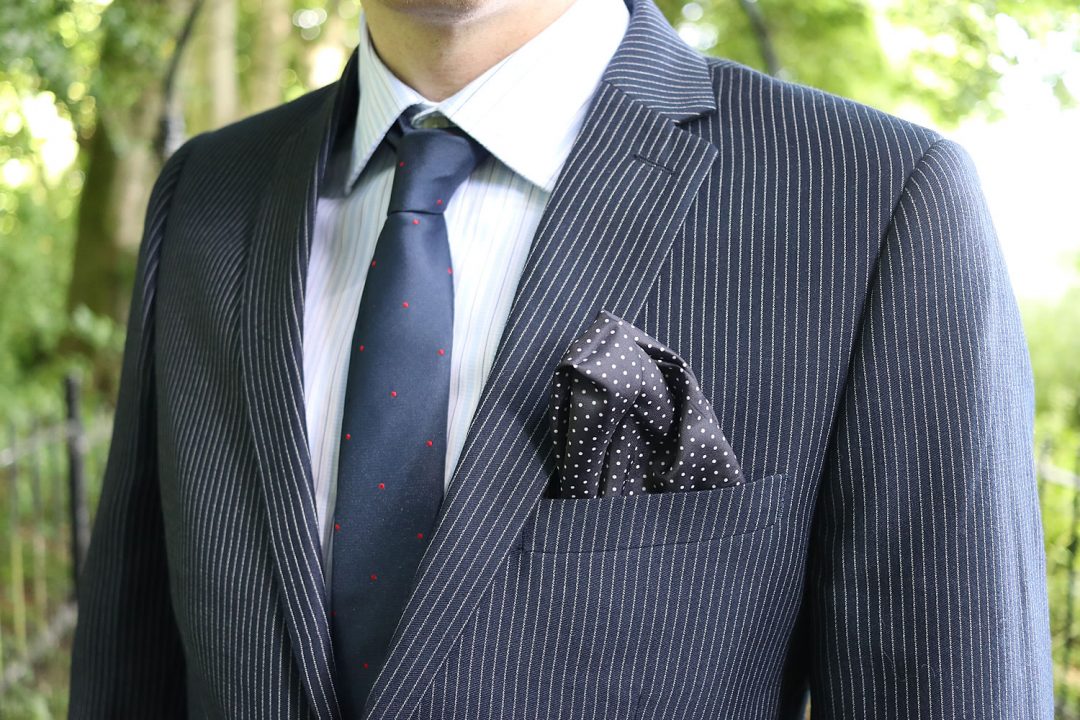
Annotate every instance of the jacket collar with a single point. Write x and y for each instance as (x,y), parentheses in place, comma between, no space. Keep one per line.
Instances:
(651,65)
(615,209)
(655,67)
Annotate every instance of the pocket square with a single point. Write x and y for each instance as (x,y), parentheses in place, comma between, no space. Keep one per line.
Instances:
(629,417)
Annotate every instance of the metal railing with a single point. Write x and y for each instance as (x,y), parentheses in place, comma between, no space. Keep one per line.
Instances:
(45,523)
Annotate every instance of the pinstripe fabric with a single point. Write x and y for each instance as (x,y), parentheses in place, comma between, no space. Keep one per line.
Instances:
(828,272)
(526,110)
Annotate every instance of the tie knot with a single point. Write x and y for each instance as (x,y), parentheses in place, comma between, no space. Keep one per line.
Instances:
(431,164)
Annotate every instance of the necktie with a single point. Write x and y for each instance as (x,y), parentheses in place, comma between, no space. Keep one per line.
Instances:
(393,436)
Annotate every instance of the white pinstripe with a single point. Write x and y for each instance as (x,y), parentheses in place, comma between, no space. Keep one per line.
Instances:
(527,111)
(831,275)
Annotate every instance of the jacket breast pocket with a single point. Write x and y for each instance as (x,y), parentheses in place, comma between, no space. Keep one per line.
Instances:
(654,519)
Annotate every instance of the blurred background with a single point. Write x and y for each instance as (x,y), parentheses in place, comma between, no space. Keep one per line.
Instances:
(95,94)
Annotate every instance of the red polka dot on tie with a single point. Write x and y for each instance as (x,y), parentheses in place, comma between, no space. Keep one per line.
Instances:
(416,221)
(430,443)
(348,436)
(393,393)
(374,576)
(419,536)
(441,351)
(382,486)
(405,304)
(439,201)
(372,263)
(337,526)
(401,163)
(450,271)
(361,348)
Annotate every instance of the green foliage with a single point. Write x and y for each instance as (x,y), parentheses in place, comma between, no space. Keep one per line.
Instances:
(830,44)
(35,252)
(1053,333)
(54,50)
(1057,517)
(950,64)
(50,47)
(34,266)
(967,45)
(53,45)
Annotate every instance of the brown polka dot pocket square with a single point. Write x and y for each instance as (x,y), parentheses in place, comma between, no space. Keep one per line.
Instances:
(629,417)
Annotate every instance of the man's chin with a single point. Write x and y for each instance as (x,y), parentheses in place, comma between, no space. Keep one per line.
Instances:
(442,10)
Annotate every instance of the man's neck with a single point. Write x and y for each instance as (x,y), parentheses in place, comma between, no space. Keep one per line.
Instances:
(438,47)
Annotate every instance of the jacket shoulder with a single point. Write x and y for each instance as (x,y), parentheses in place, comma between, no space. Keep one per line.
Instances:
(266,128)
(244,150)
(774,102)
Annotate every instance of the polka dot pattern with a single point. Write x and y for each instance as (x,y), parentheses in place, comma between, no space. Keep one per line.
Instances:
(391,463)
(629,417)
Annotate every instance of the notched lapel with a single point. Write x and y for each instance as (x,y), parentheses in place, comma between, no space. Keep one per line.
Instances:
(609,224)
(273,384)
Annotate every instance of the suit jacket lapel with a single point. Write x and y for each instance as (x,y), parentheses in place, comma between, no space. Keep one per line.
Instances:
(273,379)
(611,219)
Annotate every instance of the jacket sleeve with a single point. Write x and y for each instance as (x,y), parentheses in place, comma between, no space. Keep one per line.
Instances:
(127,660)
(927,582)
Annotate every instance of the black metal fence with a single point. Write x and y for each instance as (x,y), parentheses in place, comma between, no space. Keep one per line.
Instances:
(45,524)
(50,478)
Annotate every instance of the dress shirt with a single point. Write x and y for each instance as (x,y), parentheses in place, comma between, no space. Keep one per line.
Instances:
(527,111)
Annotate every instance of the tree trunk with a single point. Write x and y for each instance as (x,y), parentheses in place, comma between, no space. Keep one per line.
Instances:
(268,56)
(120,166)
(224,97)
(764,38)
(119,159)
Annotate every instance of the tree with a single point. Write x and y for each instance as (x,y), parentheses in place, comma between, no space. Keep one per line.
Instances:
(952,67)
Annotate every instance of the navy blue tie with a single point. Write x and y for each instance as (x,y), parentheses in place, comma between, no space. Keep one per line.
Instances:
(393,434)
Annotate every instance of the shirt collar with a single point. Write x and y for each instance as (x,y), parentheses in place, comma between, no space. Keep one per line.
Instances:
(526,110)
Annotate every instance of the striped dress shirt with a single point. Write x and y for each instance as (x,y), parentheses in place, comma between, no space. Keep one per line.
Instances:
(527,111)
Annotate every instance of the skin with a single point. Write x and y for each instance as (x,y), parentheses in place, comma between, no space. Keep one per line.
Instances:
(438,47)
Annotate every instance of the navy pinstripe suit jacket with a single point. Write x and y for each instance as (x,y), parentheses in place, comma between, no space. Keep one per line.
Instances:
(831,276)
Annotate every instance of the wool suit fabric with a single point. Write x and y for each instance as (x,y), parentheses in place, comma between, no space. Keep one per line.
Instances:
(832,277)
